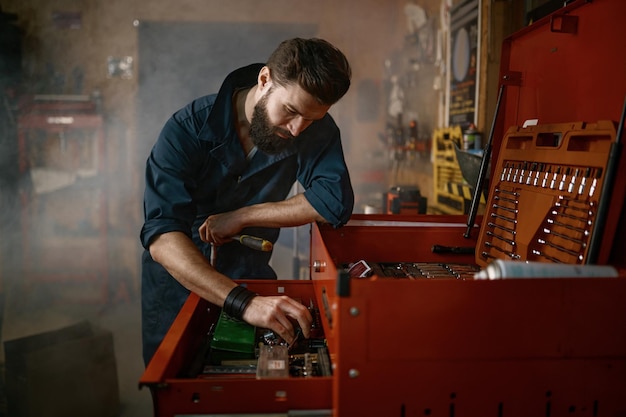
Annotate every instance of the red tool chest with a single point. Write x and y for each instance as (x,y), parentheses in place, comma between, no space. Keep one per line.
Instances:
(403,345)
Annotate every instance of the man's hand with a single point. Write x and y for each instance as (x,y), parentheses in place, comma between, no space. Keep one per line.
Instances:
(275,312)
(219,228)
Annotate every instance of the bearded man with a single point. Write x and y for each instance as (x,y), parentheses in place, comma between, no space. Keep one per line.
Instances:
(223,166)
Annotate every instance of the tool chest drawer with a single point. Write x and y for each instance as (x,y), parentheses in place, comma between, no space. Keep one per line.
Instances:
(185,379)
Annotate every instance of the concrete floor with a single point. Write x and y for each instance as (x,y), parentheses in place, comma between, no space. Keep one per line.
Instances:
(27,314)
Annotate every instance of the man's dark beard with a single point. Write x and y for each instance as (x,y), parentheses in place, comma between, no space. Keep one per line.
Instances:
(262,133)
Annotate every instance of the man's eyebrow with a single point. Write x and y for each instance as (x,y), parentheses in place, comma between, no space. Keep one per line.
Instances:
(292,108)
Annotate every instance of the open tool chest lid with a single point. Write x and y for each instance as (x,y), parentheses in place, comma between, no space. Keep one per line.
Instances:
(557,186)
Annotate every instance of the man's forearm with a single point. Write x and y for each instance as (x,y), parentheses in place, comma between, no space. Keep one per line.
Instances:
(295,211)
(182,259)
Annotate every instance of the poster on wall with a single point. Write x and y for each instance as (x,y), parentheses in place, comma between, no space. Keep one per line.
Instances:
(463,64)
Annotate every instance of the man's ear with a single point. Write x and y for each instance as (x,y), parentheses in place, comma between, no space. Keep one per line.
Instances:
(264,80)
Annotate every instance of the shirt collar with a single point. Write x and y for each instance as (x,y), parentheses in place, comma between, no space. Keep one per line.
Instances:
(222,120)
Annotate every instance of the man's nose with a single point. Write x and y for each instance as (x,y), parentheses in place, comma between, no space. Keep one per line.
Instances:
(297,125)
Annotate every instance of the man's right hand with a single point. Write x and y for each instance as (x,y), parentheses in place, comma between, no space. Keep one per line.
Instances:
(276,312)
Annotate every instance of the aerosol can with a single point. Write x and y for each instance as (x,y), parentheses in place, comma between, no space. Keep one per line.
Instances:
(471,138)
(500,269)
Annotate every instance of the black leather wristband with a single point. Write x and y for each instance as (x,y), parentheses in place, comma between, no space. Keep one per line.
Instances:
(237,300)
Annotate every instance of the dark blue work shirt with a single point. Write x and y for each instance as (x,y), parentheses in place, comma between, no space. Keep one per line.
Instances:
(197,168)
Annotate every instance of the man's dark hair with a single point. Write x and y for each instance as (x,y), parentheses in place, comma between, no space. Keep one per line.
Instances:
(317,66)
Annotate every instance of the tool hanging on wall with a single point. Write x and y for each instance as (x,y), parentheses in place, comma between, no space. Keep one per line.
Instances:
(483,169)
(607,186)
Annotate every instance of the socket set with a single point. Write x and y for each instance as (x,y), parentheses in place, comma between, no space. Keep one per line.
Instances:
(543,205)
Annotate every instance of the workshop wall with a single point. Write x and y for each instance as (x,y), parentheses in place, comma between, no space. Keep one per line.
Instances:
(91,48)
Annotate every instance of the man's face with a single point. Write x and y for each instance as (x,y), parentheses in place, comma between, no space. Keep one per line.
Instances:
(263,133)
(280,115)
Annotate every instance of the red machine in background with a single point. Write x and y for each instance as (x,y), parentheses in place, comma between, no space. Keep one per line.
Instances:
(404,199)
(64,207)
(408,330)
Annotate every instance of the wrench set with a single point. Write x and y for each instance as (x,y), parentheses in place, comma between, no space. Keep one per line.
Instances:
(543,204)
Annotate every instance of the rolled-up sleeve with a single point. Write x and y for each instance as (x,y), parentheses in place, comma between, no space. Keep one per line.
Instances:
(324,175)
(168,205)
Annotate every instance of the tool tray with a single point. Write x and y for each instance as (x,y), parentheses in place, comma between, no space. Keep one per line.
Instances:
(545,193)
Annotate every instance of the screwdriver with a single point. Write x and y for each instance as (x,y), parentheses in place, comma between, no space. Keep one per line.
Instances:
(254,242)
